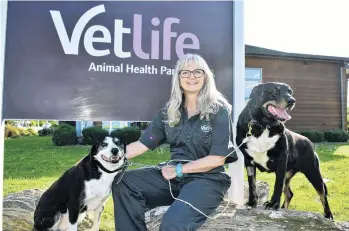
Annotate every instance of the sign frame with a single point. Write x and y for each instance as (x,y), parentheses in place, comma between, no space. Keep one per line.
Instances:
(3,23)
(236,169)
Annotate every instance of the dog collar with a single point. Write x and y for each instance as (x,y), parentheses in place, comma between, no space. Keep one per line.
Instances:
(254,122)
(123,167)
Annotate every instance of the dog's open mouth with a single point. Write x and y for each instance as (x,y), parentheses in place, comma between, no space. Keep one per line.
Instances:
(112,159)
(280,113)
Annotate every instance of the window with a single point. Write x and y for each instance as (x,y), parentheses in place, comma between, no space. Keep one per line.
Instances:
(253,76)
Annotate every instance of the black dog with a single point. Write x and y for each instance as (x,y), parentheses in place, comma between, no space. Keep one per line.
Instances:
(83,188)
(271,147)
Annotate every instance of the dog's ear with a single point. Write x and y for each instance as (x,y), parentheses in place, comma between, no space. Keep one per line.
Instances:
(124,144)
(94,149)
(257,93)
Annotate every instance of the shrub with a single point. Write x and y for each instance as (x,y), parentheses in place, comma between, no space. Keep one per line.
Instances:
(15,132)
(12,131)
(45,132)
(10,122)
(70,122)
(64,134)
(313,136)
(118,133)
(24,132)
(93,135)
(336,135)
(127,134)
(32,132)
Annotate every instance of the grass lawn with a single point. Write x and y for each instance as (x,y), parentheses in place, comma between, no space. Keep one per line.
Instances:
(334,159)
(34,162)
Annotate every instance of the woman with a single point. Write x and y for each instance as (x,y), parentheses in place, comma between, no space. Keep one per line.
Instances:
(196,124)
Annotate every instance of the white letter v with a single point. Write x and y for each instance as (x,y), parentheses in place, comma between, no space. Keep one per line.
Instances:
(72,47)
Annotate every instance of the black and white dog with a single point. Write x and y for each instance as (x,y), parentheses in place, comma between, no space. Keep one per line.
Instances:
(83,188)
(271,147)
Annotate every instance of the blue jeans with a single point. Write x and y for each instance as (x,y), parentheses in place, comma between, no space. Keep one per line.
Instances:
(147,188)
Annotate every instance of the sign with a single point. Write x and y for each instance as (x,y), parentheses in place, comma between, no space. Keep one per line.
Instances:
(108,61)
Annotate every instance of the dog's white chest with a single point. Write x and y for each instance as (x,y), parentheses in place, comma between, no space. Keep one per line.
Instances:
(97,191)
(257,147)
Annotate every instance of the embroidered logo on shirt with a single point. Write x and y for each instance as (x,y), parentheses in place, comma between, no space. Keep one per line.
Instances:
(206,128)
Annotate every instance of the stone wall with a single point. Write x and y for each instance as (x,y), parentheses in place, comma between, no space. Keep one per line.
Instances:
(18,212)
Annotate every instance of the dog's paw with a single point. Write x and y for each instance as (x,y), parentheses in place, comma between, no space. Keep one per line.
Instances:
(329,216)
(272,205)
(251,203)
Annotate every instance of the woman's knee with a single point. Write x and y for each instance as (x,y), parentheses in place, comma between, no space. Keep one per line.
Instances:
(129,183)
(170,222)
(119,184)
(180,220)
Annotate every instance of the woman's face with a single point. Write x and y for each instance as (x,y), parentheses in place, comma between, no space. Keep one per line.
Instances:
(192,78)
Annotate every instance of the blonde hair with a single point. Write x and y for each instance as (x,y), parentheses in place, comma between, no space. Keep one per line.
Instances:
(209,99)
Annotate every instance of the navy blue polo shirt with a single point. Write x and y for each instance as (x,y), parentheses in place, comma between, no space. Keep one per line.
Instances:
(192,138)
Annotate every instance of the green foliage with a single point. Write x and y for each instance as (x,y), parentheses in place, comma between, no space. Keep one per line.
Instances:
(127,134)
(24,132)
(14,132)
(92,135)
(70,122)
(53,122)
(313,135)
(336,135)
(33,122)
(118,133)
(10,122)
(46,132)
(64,134)
(32,132)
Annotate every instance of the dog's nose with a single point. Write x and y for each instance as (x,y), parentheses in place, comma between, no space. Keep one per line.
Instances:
(291,100)
(115,151)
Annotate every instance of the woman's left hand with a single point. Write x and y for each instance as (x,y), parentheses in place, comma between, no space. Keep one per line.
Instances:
(169,172)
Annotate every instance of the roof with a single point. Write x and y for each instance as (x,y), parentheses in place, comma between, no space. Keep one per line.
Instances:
(264,52)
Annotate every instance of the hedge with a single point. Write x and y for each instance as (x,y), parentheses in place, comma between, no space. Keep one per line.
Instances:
(336,135)
(92,135)
(127,134)
(46,132)
(313,135)
(64,134)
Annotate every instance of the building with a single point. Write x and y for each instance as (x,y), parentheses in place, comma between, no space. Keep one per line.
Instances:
(319,84)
